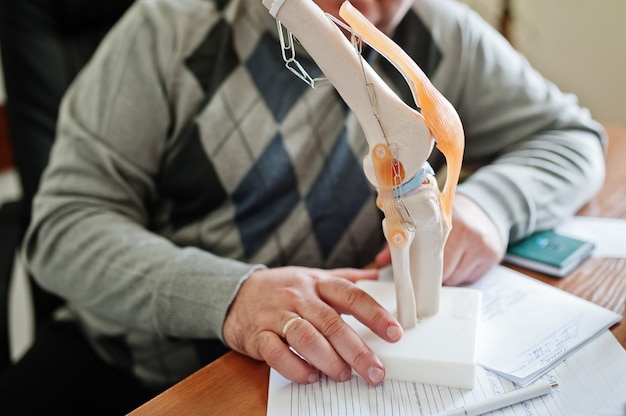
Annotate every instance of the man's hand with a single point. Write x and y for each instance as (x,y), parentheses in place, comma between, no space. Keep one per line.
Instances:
(473,247)
(300,308)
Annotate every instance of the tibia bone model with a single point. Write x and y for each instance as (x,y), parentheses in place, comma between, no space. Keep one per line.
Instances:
(417,216)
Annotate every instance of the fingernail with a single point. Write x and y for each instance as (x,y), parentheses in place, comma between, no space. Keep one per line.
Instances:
(313,378)
(375,375)
(345,375)
(394,333)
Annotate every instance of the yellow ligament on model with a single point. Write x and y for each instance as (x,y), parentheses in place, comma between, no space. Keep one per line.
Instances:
(439,115)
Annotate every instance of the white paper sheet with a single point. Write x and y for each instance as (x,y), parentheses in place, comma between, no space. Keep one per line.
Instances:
(591,382)
(527,326)
(609,234)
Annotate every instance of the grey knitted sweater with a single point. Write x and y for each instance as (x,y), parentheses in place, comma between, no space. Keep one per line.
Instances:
(187,155)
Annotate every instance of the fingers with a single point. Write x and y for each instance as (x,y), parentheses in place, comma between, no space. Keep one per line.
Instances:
(328,343)
(347,298)
(474,245)
(278,356)
(452,256)
(470,255)
(354,275)
(467,269)
(299,307)
(319,351)
(467,258)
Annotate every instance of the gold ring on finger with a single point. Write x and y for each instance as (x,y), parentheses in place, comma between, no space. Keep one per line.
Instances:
(288,324)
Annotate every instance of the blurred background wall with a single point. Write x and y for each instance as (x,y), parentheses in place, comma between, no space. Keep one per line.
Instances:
(580,45)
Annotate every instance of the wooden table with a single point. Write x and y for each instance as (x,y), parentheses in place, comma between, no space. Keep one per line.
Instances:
(237,385)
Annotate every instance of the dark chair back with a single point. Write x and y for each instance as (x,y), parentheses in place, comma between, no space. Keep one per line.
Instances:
(44,44)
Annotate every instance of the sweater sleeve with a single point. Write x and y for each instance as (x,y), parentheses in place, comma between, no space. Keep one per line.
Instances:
(535,155)
(90,240)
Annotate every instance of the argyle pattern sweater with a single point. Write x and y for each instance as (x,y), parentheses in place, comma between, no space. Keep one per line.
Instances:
(187,156)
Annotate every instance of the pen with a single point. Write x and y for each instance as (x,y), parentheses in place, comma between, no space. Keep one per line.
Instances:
(503,400)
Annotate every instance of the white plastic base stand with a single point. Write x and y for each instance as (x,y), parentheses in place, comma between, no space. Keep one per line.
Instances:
(440,350)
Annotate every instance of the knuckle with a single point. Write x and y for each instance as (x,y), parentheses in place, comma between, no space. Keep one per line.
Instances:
(306,338)
(360,357)
(333,327)
(354,296)
(379,316)
(292,294)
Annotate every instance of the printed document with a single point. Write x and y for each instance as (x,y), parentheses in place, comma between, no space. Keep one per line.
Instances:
(527,326)
(527,330)
(591,382)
